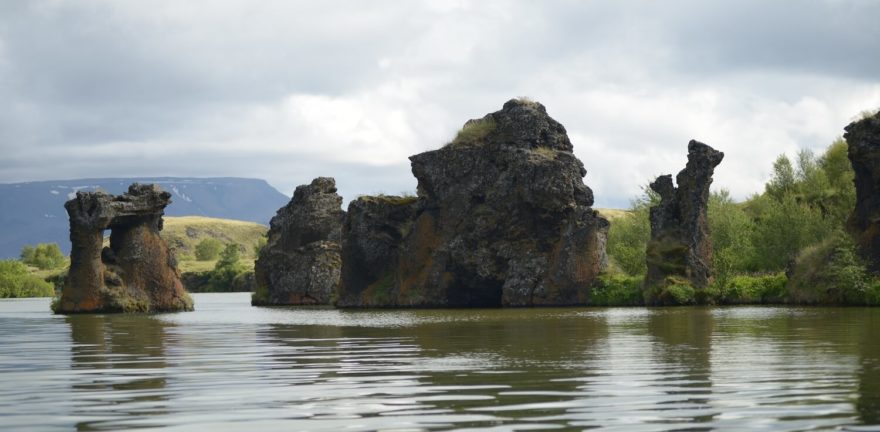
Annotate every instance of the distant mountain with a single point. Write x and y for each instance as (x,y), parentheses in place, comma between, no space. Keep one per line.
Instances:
(33,212)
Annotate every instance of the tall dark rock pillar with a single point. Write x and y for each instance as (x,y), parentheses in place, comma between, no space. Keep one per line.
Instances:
(679,253)
(301,263)
(863,140)
(85,280)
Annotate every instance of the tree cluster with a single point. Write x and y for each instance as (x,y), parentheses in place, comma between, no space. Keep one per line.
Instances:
(17,281)
(45,256)
(800,215)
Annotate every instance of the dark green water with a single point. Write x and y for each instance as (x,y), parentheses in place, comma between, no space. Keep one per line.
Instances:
(229,366)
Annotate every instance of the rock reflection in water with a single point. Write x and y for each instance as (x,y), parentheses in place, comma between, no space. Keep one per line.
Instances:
(869,369)
(229,366)
(120,367)
(683,351)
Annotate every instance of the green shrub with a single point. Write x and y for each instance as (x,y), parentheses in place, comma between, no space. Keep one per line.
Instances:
(673,291)
(872,293)
(226,271)
(261,243)
(757,289)
(731,230)
(832,273)
(783,229)
(840,196)
(229,257)
(45,256)
(221,279)
(617,290)
(628,235)
(804,204)
(16,281)
(27,254)
(208,249)
(681,293)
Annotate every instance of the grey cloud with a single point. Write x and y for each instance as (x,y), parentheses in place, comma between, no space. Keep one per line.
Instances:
(95,71)
(696,38)
(813,37)
(153,83)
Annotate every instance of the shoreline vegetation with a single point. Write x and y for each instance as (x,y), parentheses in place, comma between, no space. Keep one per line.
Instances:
(786,245)
(477,237)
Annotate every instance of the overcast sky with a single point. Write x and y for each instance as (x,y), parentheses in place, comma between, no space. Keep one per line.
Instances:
(290,90)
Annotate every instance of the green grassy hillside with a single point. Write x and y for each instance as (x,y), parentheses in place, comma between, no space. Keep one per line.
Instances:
(184,233)
(612,214)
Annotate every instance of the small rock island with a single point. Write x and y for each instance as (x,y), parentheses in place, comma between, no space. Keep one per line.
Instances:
(137,272)
(301,262)
(502,217)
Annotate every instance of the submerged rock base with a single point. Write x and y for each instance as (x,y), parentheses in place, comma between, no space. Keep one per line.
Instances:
(137,272)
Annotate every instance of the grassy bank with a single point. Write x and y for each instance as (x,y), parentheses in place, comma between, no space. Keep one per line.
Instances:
(230,270)
(186,232)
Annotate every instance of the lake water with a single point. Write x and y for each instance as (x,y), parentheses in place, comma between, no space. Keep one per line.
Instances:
(230,366)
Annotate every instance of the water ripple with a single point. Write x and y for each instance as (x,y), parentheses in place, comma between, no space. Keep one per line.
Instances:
(229,366)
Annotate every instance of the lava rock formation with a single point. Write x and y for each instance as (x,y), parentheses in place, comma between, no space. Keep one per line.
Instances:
(680,249)
(301,263)
(137,272)
(502,218)
(863,140)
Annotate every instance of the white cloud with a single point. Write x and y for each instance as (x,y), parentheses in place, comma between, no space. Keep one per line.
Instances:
(289,90)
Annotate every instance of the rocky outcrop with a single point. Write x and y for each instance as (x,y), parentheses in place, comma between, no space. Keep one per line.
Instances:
(502,218)
(679,253)
(301,263)
(863,140)
(374,231)
(137,272)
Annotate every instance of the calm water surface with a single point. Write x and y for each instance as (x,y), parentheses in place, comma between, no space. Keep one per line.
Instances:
(230,366)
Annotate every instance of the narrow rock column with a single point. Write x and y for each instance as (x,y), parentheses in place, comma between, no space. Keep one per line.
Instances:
(88,219)
(679,254)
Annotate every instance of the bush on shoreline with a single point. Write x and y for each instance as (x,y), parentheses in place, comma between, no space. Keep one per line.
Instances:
(753,289)
(617,290)
(16,281)
(44,256)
